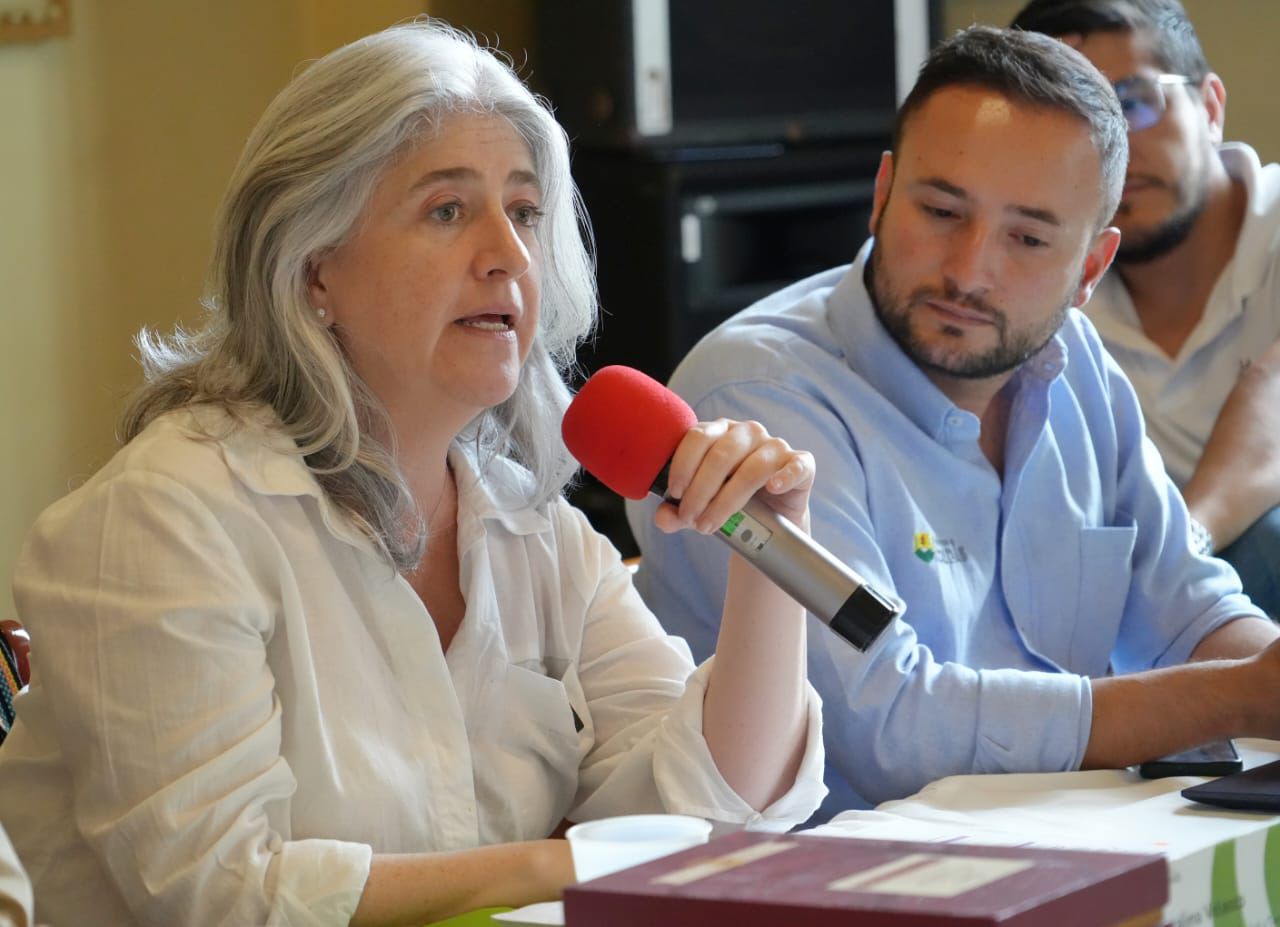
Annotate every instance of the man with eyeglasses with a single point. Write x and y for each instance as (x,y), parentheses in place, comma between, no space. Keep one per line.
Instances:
(1191,309)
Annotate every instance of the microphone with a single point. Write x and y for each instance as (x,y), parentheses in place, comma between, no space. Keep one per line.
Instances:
(623,427)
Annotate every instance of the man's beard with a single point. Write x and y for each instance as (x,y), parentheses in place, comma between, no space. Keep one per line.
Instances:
(893,311)
(1144,247)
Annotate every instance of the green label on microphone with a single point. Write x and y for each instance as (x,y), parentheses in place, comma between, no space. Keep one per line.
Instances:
(731,525)
(745,533)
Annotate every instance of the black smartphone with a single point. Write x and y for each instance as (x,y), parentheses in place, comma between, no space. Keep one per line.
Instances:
(1213,759)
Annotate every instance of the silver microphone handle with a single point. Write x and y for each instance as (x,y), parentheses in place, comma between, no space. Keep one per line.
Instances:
(808,573)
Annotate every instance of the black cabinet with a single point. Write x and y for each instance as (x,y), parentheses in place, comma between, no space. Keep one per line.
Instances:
(686,238)
(683,240)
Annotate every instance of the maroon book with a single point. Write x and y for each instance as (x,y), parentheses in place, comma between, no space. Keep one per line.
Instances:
(767,880)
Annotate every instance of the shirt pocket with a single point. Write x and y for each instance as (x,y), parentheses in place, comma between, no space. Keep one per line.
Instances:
(536,749)
(1105,577)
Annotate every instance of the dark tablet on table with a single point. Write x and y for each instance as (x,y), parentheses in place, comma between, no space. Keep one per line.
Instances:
(1256,789)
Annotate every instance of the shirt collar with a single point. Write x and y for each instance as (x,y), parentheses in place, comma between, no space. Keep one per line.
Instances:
(257,450)
(1260,232)
(263,457)
(872,353)
(496,492)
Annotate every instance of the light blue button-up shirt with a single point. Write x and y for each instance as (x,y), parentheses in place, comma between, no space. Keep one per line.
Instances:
(1077,563)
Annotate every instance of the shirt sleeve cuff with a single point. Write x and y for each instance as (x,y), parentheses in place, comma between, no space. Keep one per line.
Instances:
(319,882)
(1227,610)
(1011,702)
(689,781)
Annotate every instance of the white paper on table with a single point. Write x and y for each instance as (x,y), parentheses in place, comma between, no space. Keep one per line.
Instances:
(1106,810)
(543,914)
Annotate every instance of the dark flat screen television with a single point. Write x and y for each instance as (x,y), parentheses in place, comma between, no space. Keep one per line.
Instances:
(671,73)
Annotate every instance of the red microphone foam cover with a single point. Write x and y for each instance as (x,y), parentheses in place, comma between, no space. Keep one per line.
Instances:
(623,427)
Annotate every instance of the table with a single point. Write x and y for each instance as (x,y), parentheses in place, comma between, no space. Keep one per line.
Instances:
(1224,865)
(479,918)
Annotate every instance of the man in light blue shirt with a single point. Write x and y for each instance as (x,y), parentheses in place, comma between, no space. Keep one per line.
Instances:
(982,457)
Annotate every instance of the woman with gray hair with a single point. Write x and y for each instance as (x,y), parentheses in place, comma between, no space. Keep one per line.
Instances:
(323,643)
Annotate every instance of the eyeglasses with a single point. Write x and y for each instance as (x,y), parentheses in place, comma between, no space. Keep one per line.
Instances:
(1142,98)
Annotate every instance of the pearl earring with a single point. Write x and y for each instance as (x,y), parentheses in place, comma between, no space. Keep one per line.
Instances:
(321,312)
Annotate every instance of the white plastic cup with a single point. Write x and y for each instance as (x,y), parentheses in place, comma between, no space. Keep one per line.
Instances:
(609,844)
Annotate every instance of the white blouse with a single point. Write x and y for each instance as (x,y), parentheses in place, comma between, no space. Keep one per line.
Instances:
(236,700)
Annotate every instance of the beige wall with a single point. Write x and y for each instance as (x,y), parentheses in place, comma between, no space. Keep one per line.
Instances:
(115,144)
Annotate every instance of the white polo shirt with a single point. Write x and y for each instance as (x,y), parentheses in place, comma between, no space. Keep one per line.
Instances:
(1182,396)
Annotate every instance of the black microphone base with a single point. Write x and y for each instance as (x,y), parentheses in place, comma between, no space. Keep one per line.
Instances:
(863,616)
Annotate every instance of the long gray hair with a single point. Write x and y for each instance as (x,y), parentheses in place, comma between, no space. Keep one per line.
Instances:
(303,179)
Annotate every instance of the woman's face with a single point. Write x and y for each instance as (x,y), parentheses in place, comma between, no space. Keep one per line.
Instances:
(434,295)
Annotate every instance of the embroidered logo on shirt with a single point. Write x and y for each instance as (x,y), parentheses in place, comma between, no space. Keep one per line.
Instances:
(944,550)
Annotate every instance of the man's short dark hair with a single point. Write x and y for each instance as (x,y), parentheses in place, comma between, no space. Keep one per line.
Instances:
(1036,70)
(1174,44)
